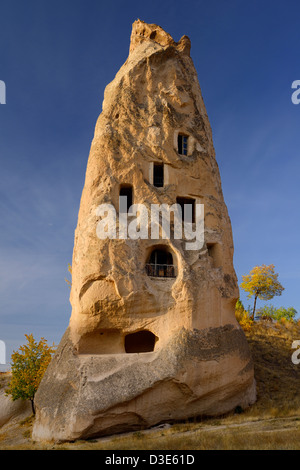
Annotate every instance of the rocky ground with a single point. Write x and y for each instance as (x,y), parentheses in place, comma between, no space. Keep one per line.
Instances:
(272,423)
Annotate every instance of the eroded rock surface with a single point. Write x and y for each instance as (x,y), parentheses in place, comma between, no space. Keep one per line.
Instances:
(11,410)
(152,335)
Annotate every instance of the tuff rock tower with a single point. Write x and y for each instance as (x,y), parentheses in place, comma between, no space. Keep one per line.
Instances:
(152,335)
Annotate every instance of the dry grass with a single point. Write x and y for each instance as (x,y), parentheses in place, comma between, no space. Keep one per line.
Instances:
(272,423)
(277,377)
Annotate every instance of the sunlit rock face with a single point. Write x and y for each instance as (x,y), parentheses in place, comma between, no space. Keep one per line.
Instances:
(152,335)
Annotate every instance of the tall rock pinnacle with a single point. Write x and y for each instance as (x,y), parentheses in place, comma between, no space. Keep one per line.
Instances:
(152,335)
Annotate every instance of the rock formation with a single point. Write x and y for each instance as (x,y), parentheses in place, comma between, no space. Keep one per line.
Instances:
(11,410)
(152,335)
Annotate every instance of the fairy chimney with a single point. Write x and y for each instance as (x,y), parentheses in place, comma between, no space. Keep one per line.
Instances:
(152,335)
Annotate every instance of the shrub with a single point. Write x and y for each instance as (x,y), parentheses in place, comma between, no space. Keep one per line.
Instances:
(270,312)
(243,316)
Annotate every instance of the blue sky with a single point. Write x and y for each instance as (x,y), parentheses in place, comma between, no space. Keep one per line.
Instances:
(56,59)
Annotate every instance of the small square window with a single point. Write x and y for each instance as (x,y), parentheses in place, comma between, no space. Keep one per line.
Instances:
(182,144)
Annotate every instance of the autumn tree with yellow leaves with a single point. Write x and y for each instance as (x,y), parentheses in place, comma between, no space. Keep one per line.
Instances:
(262,283)
(28,366)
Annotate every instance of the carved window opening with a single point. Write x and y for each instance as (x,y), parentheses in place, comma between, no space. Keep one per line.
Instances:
(214,251)
(187,205)
(126,191)
(140,342)
(182,144)
(160,264)
(158,175)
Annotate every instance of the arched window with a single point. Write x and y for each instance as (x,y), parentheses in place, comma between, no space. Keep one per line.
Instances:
(160,263)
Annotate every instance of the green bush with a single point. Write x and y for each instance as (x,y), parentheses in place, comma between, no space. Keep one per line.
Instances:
(269,312)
